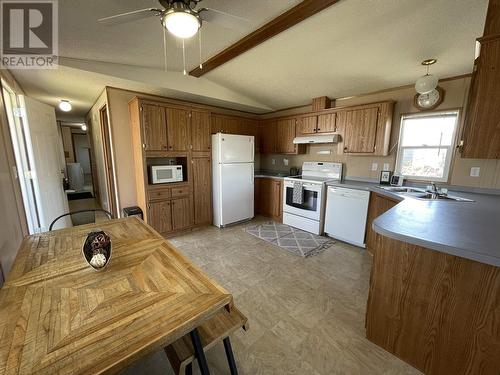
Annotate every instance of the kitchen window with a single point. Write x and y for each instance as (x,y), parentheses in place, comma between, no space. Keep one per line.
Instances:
(426,145)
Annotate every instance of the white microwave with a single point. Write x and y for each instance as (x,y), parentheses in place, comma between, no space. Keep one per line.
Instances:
(161,174)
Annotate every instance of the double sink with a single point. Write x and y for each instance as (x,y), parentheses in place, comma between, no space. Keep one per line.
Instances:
(422,194)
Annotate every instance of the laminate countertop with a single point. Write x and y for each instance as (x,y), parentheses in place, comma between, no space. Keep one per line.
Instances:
(466,229)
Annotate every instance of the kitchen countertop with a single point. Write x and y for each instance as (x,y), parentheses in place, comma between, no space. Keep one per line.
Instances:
(269,174)
(466,229)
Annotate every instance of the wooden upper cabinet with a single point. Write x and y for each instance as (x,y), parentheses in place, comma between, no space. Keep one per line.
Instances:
(200,131)
(202,190)
(307,125)
(154,127)
(285,133)
(177,129)
(327,123)
(360,130)
(482,118)
(268,137)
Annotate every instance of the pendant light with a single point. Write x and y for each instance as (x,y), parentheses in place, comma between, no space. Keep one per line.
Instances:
(427,83)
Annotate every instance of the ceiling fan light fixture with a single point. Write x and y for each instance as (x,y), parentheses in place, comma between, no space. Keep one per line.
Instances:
(182,23)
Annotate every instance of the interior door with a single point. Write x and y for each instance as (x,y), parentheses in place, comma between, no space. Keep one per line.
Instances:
(360,130)
(237,184)
(237,149)
(177,129)
(45,151)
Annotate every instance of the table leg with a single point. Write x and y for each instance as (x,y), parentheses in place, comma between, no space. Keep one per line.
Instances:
(198,352)
(230,356)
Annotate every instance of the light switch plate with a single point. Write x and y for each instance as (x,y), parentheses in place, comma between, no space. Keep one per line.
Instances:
(285,162)
(374,166)
(386,167)
(474,171)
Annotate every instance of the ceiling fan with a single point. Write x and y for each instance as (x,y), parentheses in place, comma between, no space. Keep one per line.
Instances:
(182,19)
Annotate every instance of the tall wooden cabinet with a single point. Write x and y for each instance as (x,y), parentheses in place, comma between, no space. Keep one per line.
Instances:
(161,133)
(481,136)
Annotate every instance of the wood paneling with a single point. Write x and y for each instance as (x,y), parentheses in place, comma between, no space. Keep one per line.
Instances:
(482,121)
(160,216)
(327,123)
(360,130)
(307,125)
(269,197)
(182,213)
(377,206)
(200,131)
(285,133)
(438,312)
(281,23)
(177,129)
(323,102)
(202,190)
(154,127)
(59,316)
(492,24)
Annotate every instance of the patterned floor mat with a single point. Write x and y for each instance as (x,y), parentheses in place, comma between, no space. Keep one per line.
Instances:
(291,239)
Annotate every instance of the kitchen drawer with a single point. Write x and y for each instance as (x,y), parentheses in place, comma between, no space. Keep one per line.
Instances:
(180,191)
(159,194)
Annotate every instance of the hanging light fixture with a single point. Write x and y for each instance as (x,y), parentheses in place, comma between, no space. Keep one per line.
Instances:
(181,21)
(427,83)
(65,105)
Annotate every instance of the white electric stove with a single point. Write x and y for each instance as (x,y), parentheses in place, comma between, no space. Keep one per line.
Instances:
(309,215)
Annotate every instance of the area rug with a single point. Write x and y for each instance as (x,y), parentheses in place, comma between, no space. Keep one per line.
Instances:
(291,239)
(80,195)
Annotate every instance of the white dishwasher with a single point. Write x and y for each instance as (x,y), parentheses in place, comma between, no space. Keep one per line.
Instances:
(346,211)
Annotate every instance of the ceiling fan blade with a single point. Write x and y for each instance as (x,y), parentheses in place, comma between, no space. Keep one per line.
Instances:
(224,19)
(130,16)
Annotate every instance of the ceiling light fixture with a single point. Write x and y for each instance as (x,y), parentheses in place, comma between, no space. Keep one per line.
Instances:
(84,127)
(181,21)
(427,83)
(65,106)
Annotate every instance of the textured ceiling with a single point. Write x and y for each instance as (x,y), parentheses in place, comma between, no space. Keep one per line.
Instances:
(353,47)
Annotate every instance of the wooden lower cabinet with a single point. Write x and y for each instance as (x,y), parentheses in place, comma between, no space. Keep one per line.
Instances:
(182,213)
(377,206)
(160,216)
(269,198)
(202,190)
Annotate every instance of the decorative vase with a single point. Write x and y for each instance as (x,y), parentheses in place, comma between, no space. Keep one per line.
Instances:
(97,249)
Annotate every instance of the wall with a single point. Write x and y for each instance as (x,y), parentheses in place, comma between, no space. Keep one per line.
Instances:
(12,220)
(94,124)
(360,166)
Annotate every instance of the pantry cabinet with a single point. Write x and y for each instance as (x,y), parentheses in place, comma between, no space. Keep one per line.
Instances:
(154,129)
(201,139)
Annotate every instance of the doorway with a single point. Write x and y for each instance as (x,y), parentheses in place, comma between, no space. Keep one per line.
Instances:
(108,159)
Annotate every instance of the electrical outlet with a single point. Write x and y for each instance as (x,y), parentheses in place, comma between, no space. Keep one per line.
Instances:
(374,166)
(273,161)
(285,162)
(474,171)
(386,167)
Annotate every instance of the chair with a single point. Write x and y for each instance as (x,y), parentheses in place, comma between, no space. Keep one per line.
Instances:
(108,214)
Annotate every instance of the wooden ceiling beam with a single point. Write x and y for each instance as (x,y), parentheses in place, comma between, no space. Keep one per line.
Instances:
(297,14)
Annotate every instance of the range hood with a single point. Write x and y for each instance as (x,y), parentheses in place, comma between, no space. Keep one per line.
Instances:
(327,138)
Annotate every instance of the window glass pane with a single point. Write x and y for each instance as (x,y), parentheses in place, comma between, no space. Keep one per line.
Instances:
(423,162)
(429,130)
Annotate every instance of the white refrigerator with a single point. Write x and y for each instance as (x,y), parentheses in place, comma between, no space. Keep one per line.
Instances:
(232,176)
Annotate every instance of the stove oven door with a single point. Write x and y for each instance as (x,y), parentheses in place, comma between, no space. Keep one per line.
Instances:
(311,207)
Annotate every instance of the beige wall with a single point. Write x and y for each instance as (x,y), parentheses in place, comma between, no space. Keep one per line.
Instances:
(12,223)
(361,166)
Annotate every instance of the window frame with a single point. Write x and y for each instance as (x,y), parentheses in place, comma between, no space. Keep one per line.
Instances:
(450,149)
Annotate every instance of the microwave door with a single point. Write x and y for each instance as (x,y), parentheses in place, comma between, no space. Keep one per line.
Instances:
(166,174)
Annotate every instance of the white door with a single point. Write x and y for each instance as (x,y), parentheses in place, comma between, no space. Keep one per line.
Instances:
(45,149)
(237,194)
(236,148)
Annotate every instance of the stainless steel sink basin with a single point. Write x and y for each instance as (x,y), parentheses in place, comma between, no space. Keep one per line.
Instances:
(435,197)
(402,189)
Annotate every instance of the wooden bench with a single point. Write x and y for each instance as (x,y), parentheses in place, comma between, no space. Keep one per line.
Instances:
(181,353)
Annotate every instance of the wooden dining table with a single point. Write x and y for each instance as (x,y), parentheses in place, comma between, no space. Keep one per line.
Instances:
(60,316)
